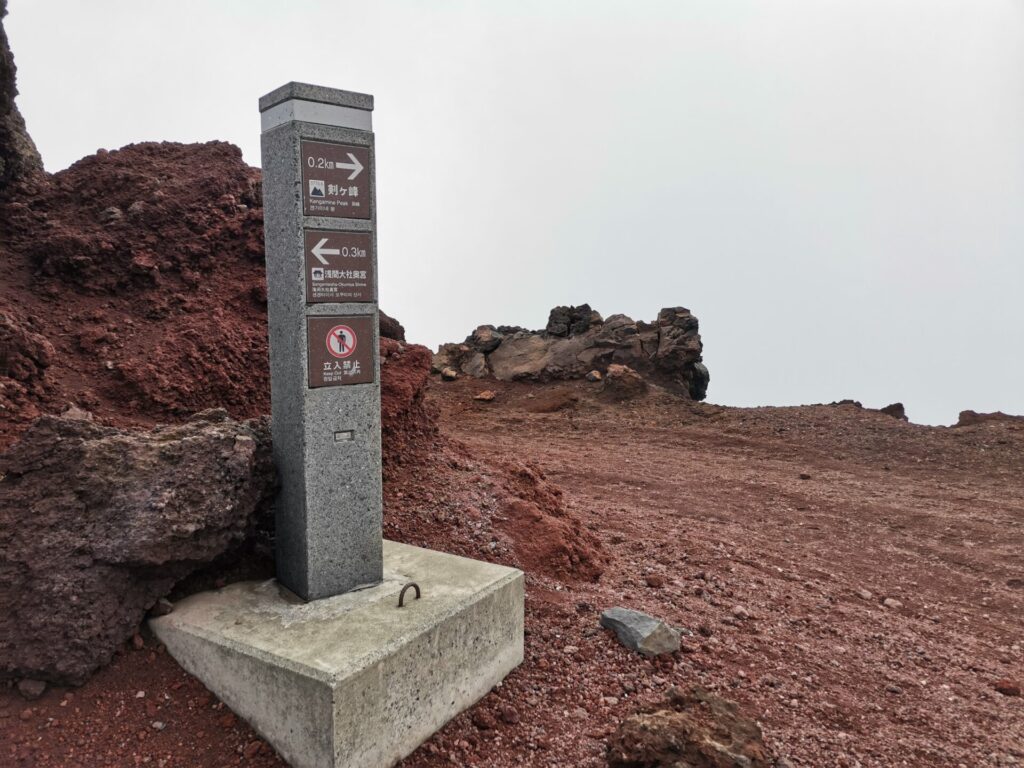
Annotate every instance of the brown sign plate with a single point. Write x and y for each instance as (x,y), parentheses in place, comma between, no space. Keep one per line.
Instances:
(342,350)
(339,266)
(335,180)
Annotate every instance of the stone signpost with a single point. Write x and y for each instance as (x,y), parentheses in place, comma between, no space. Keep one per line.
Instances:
(328,662)
(319,217)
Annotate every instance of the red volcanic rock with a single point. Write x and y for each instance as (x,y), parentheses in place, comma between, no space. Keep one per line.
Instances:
(98,523)
(696,729)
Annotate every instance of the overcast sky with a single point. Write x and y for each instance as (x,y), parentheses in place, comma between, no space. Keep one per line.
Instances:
(835,188)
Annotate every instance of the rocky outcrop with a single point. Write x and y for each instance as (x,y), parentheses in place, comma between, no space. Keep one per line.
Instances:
(695,729)
(98,523)
(18,154)
(578,340)
(391,328)
(970,418)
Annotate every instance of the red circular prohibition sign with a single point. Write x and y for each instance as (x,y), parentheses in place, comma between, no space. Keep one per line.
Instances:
(341,341)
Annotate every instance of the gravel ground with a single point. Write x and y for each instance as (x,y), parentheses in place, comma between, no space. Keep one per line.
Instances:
(853,581)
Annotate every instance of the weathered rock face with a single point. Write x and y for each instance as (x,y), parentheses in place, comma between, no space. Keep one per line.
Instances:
(18,154)
(97,524)
(577,340)
(695,729)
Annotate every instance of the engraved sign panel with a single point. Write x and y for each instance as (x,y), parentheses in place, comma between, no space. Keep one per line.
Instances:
(339,266)
(342,350)
(335,179)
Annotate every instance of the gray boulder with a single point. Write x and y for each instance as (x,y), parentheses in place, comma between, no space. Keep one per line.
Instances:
(98,523)
(640,632)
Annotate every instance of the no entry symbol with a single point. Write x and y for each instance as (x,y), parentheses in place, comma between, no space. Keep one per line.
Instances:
(341,341)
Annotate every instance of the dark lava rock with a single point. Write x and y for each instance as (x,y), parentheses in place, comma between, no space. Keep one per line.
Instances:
(98,523)
(696,729)
(571,321)
(18,154)
(391,328)
(896,410)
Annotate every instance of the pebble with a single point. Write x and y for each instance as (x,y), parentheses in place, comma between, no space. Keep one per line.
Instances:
(158,725)
(864,594)
(251,750)
(27,714)
(31,689)
(891,688)
(611,701)
(740,612)
(655,580)
(891,602)
(483,720)
(1007,687)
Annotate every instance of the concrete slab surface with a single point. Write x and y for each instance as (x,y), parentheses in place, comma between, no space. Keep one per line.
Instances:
(353,680)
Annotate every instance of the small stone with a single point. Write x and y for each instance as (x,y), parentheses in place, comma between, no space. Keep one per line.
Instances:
(31,689)
(140,695)
(891,602)
(891,688)
(570,649)
(641,632)
(486,396)
(227,721)
(611,701)
(158,725)
(509,714)
(483,720)
(864,594)
(137,642)
(162,607)
(740,612)
(804,476)
(1007,687)
(27,713)
(449,374)
(594,376)
(252,749)
(655,580)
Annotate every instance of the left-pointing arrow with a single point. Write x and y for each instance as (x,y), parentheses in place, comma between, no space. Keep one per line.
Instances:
(355,166)
(319,251)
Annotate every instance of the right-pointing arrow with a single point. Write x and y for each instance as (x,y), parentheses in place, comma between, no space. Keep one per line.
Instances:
(319,251)
(355,166)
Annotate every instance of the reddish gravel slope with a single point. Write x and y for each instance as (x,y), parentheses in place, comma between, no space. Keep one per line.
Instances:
(792,514)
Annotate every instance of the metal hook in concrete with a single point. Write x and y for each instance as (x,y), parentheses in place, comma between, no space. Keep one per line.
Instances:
(401,595)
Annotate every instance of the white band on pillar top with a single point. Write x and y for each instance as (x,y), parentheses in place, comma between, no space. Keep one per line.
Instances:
(315,112)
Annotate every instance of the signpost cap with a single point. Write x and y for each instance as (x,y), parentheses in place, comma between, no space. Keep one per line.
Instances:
(317,93)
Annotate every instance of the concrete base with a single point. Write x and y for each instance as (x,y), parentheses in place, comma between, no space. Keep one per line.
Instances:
(353,680)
